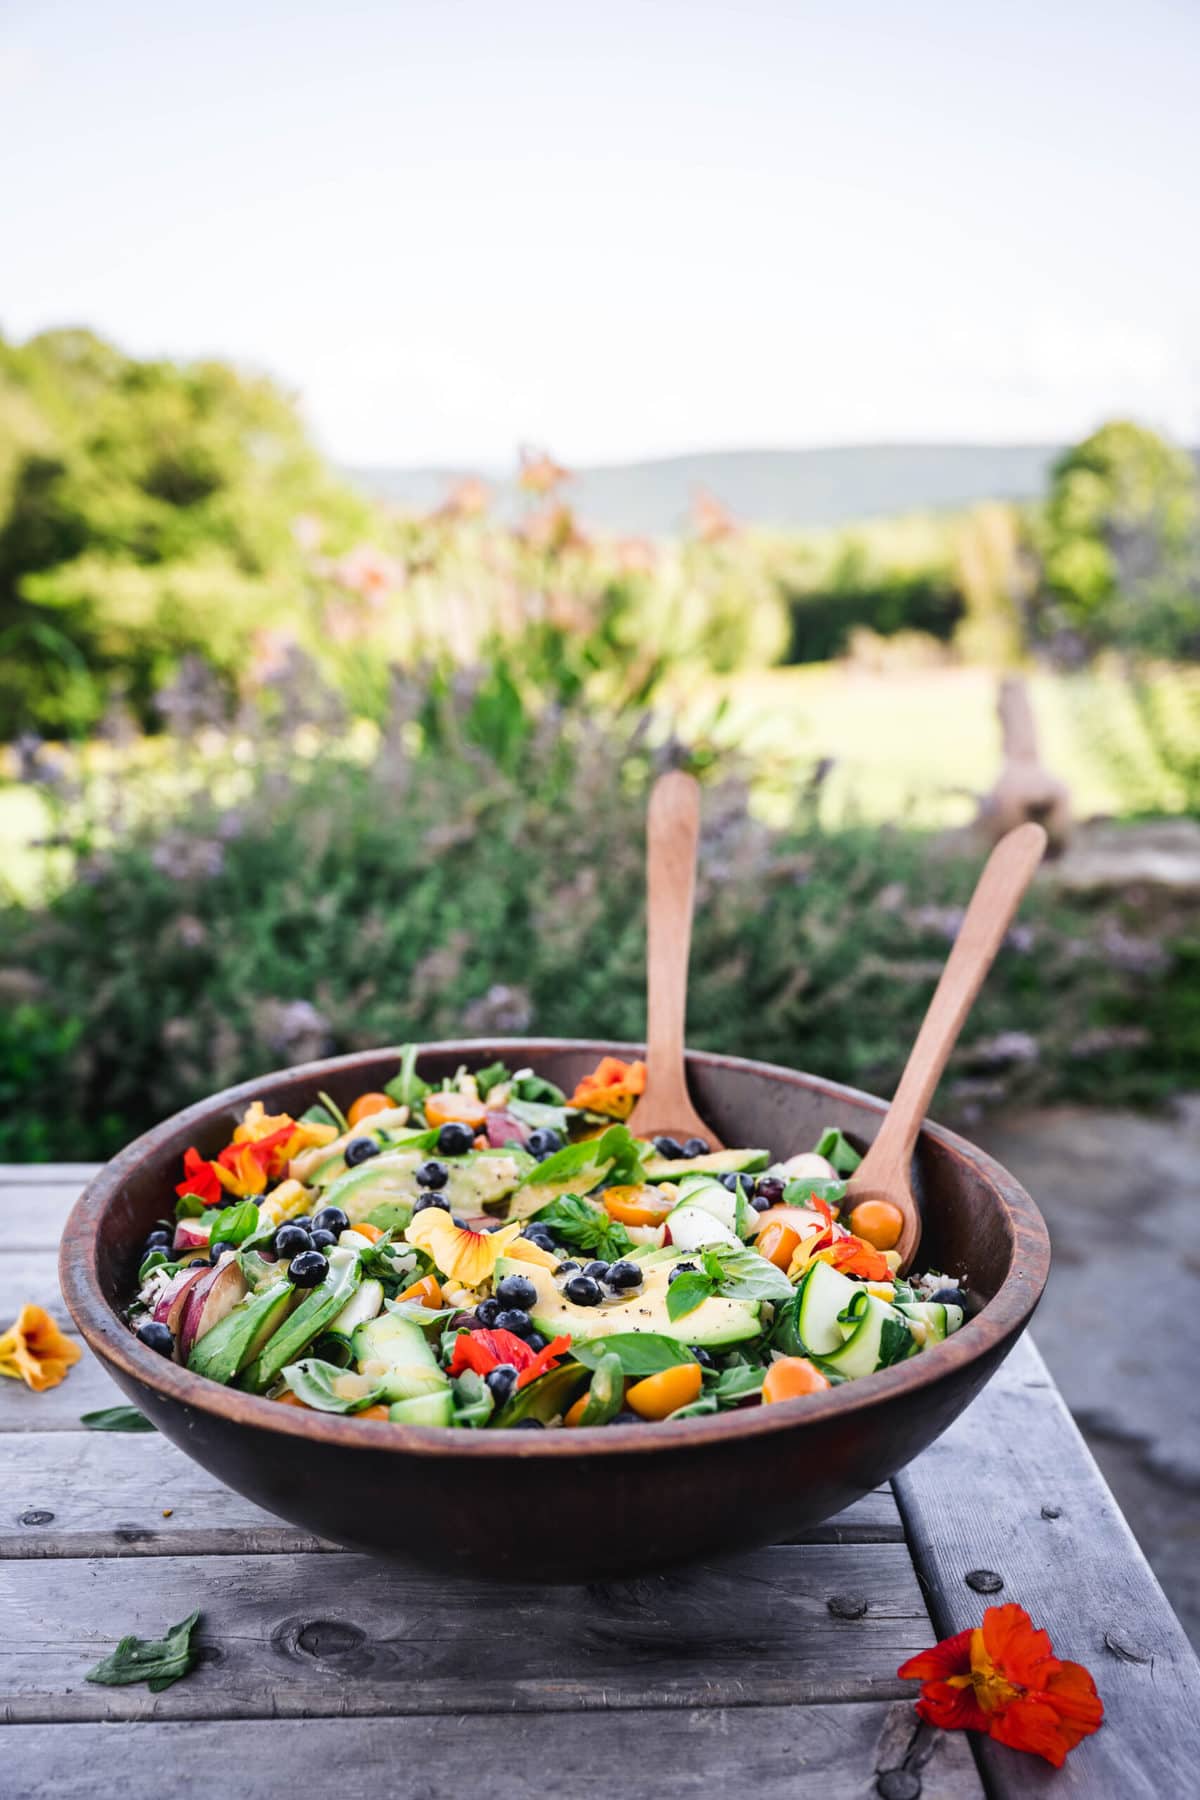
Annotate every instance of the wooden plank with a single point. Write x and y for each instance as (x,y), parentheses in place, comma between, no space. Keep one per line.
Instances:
(105,1493)
(32,1217)
(320,1635)
(774,1753)
(86,1389)
(31,1276)
(1013,1489)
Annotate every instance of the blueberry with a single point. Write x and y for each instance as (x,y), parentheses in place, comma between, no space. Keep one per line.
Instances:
(455,1139)
(158,1240)
(425,1200)
(501,1380)
(516,1320)
(733,1182)
(156,1336)
(770,1189)
(516,1290)
(308,1269)
(760,1203)
(304,1221)
(292,1239)
(702,1356)
(565,1268)
(623,1275)
(486,1313)
(543,1142)
(950,1296)
(360,1150)
(536,1341)
(669,1147)
(695,1147)
(460,1222)
(583,1290)
(220,1247)
(528,1425)
(680,1269)
(625,1418)
(432,1175)
(539,1235)
(331,1218)
(322,1240)
(598,1269)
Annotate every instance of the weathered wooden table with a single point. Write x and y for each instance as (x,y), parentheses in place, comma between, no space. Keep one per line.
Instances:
(333,1674)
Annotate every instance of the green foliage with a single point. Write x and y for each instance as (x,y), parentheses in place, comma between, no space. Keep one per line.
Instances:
(1120,546)
(865,587)
(331,904)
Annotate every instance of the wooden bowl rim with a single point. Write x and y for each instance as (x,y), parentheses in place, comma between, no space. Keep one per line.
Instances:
(998,1322)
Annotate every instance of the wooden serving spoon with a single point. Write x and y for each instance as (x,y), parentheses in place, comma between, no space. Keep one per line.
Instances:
(884,1173)
(672,834)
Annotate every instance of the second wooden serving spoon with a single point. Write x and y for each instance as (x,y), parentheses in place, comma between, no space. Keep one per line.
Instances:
(884,1173)
(672,836)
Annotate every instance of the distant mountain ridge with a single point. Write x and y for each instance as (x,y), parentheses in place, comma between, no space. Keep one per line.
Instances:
(765,487)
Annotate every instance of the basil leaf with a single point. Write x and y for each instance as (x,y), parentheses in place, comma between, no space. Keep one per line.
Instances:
(696,1409)
(836,1148)
(407,1088)
(807,1188)
(158,1662)
(473,1399)
(157,1259)
(316,1383)
(536,1090)
(612,1156)
(397,1266)
(745,1275)
(687,1292)
(190,1206)
(583,1225)
(641,1352)
(317,1115)
(739,1383)
(117,1418)
(896,1342)
(235,1224)
(390,1215)
(424,1316)
(538,1115)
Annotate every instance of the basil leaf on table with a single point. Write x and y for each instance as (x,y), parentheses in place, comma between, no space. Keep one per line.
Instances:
(641,1352)
(156,1661)
(116,1418)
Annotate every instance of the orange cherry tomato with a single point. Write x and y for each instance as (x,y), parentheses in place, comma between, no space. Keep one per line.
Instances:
(289,1399)
(636,1205)
(574,1413)
(790,1377)
(440,1109)
(481,1141)
(373,1412)
(427,1291)
(878,1222)
(660,1394)
(369,1231)
(365,1105)
(778,1243)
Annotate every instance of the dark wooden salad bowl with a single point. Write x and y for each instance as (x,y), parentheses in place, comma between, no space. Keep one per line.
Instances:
(571,1505)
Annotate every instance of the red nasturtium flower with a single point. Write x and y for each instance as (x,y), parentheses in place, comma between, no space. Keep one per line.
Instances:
(200,1178)
(486,1350)
(1003,1678)
(611,1088)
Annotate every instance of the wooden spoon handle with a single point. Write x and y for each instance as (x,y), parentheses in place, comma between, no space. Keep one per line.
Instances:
(998,893)
(672,837)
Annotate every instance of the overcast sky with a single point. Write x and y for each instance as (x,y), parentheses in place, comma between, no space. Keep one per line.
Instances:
(624,228)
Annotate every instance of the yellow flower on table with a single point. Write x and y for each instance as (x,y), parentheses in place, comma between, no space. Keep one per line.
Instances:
(35,1351)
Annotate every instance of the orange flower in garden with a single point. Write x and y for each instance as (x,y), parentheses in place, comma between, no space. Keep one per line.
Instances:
(611,1088)
(35,1351)
(710,520)
(467,499)
(1004,1678)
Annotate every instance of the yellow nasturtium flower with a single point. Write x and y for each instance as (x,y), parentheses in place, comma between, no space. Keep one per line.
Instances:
(35,1351)
(461,1254)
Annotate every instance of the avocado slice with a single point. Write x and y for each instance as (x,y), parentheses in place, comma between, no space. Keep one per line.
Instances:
(718,1162)
(475,1181)
(716,1321)
(544,1398)
(314,1313)
(425,1409)
(225,1350)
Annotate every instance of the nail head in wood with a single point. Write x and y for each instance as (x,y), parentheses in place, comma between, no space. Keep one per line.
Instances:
(984,1581)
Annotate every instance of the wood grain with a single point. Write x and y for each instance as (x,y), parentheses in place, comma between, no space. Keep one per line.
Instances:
(106,1493)
(32,1216)
(1012,1488)
(772,1753)
(86,1389)
(31,1276)
(330,1635)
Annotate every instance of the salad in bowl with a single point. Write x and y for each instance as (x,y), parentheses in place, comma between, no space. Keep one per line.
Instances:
(491,1253)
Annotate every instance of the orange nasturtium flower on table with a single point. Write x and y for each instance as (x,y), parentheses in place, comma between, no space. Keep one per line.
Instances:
(1004,1678)
(35,1351)
(611,1088)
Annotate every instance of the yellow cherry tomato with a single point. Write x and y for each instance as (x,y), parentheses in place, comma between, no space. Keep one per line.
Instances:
(878,1223)
(660,1394)
(365,1105)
